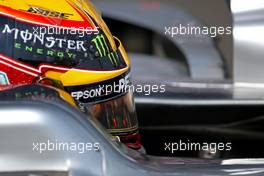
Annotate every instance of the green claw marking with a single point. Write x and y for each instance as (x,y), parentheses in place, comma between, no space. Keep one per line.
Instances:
(109,56)
(103,49)
(102,37)
(101,45)
(117,57)
(113,56)
(97,46)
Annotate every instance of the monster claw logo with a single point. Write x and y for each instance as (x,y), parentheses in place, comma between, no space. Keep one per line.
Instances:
(112,58)
(101,45)
(3,79)
(104,50)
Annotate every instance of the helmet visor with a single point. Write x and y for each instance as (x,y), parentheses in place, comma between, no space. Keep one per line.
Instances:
(111,102)
(117,115)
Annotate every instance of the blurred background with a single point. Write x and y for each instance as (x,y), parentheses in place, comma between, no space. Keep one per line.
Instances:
(214,87)
(140,25)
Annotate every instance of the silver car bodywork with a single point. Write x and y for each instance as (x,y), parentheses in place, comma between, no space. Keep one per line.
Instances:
(23,123)
(248,42)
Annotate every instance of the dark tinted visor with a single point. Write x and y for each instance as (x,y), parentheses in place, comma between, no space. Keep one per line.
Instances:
(117,115)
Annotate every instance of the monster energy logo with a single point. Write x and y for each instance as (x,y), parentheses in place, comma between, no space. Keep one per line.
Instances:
(104,50)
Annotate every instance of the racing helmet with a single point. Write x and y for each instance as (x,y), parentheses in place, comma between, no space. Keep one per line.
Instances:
(65,43)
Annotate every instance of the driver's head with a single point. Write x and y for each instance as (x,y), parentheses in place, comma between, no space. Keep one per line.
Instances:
(65,43)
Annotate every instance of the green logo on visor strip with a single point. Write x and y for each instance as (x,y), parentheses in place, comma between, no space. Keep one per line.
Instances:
(104,50)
